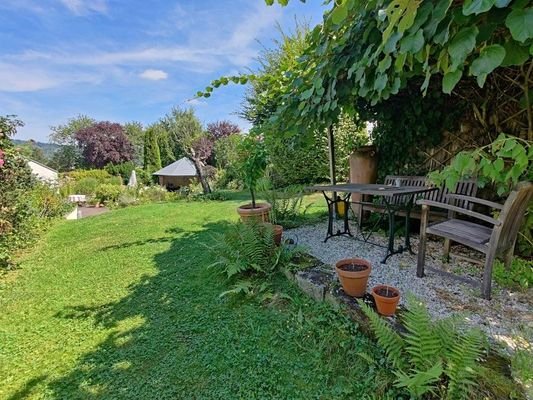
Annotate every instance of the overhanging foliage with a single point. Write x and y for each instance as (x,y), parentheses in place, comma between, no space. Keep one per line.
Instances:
(372,50)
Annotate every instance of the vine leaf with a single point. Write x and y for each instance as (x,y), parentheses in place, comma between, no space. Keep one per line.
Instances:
(502,3)
(450,80)
(477,6)
(412,43)
(520,23)
(514,53)
(489,59)
(339,13)
(462,44)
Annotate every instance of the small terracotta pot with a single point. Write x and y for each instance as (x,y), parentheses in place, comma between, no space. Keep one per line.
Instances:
(386,305)
(353,282)
(258,214)
(278,231)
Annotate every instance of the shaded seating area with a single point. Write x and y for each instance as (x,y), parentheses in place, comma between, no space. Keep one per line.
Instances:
(494,237)
(466,188)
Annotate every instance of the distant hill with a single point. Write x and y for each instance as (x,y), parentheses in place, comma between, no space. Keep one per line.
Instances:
(48,148)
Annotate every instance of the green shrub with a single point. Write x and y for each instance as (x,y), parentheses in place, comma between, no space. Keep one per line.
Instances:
(145,178)
(108,193)
(518,276)
(128,197)
(248,257)
(216,196)
(48,203)
(123,170)
(154,194)
(430,357)
(99,174)
(113,180)
(499,165)
(86,186)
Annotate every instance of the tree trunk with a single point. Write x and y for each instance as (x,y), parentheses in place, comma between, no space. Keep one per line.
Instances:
(201,176)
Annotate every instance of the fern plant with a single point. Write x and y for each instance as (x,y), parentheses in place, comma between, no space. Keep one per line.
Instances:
(429,358)
(287,203)
(248,256)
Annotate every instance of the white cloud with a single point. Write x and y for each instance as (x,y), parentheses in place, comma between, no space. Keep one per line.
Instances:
(82,7)
(154,74)
(17,78)
(229,46)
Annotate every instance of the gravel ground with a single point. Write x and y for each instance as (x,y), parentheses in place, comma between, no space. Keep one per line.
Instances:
(505,318)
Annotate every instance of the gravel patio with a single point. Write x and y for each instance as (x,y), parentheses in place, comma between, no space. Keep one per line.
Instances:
(507,318)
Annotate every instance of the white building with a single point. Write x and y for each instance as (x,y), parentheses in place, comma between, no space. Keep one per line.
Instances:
(44,173)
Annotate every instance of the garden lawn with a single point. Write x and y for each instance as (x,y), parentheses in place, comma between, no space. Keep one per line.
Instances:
(123,306)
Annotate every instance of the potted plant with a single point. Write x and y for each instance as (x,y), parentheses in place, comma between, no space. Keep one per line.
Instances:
(386,298)
(353,274)
(252,154)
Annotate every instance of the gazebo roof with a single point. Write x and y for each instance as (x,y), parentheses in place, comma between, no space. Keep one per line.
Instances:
(182,167)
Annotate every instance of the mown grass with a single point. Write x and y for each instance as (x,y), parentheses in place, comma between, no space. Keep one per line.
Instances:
(122,306)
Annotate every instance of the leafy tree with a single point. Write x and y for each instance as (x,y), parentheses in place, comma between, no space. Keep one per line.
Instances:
(103,143)
(135,133)
(32,151)
(66,134)
(221,129)
(252,162)
(66,158)
(166,145)
(152,155)
(188,138)
(16,182)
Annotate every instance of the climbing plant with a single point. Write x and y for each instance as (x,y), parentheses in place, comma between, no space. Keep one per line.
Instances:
(374,49)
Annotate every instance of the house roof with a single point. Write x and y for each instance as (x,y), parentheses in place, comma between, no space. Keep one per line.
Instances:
(182,167)
(41,164)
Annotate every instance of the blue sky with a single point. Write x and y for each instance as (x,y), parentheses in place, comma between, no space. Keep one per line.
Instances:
(123,60)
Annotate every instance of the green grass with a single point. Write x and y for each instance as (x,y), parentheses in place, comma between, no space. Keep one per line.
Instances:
(122,306)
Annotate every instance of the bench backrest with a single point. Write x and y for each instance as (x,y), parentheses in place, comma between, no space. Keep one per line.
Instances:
(466,188)
(504,235)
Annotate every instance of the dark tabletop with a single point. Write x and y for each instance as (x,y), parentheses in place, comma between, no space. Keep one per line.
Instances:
(374,189)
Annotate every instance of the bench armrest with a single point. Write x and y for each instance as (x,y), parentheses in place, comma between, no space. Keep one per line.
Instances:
(465,211)
(477,200)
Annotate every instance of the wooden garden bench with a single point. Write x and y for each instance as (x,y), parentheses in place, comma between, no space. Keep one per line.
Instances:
(466,188)
(495,238)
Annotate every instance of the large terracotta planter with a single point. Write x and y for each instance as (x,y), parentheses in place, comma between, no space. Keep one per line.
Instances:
(353,274)
(386,298)
(258,214)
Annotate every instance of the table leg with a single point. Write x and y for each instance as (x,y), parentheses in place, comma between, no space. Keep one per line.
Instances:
(391,215)
(408,208)
(332,212)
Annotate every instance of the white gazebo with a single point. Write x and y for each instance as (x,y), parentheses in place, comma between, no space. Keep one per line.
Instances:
(179,173)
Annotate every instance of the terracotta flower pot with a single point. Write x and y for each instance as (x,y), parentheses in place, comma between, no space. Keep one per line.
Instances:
(278,231)
(353,274)
(258,214)
(386,298)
